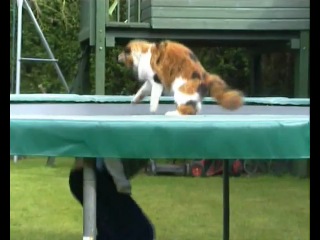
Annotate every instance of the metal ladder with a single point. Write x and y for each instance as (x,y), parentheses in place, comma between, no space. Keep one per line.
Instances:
(24,4)
(19,59)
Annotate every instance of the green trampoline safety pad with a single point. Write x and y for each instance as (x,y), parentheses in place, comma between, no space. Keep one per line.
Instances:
(75,98)
(158,136)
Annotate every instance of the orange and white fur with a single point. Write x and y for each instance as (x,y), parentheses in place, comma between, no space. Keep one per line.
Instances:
(172,66)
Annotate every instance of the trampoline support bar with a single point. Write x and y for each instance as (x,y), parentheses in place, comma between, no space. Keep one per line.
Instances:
(226,206)
(89,201)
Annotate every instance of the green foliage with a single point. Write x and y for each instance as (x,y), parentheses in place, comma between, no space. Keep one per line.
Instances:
(119,80)
(277,74)
(231,63)
(59,21)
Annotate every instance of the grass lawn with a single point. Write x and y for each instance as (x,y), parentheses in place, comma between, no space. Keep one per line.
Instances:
(262,208)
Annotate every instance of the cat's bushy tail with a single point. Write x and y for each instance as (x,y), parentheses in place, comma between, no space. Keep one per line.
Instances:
(219,90)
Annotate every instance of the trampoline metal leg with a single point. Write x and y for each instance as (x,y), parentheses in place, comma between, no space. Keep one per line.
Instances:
(50,161)
(89,202)
(226,206)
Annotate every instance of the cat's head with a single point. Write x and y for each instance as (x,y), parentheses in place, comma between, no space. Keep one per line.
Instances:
(130,56)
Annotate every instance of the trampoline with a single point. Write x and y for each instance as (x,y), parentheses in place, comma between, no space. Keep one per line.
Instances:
(110,127)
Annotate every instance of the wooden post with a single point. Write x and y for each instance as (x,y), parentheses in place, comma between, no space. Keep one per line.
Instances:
(301,87)
(301,68)
(82,81)
(100,47)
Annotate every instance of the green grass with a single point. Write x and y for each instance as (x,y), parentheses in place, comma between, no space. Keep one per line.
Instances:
(262,208)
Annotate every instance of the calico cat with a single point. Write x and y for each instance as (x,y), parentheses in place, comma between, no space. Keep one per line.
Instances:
(172,66)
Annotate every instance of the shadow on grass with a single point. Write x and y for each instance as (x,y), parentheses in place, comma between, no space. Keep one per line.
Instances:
(38,166)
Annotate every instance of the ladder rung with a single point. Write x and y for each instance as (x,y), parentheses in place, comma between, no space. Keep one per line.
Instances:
(38,60)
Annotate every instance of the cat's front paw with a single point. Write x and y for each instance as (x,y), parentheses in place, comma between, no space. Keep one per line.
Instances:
(153,108)
(133,101)
(137,99)
(172,113)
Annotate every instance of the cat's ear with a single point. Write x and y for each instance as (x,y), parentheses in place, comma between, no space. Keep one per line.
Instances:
(160,44)
(157,44)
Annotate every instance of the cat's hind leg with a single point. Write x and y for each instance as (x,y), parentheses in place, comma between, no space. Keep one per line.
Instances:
(189,108)
(185,109)
(187,104)
(156,93)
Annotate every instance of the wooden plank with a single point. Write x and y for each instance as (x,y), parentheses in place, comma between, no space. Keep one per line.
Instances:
(133,10)
(230,13)
(229,3)
(84,14)
(92,24)
(83,34)
(145,15)
(143,4)
(230,24)
(127,25)
(110,41)
(200,35)
(87,23)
